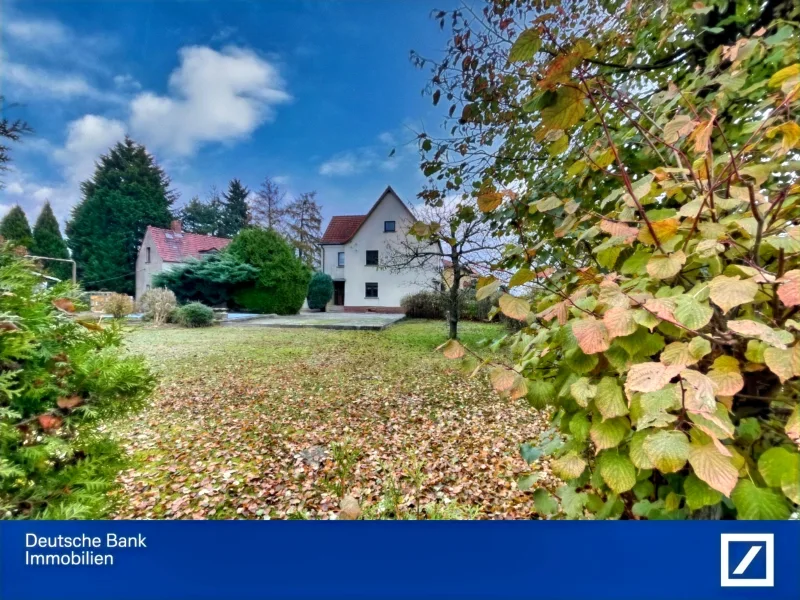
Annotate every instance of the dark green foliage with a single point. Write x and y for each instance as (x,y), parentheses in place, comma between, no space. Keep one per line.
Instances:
(59,377)
(127,192)
(235,215)
(202,217)
(195,314)
(47,241)
(211,280)
(15,228)
(282,279)
(320,291)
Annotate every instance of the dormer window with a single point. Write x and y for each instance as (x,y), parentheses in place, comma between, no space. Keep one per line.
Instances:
(388,226)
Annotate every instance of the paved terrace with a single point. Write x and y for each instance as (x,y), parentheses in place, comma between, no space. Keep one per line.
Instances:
(326,320)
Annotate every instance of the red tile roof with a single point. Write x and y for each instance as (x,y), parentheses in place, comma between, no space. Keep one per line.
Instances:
(177,247)
(341,229)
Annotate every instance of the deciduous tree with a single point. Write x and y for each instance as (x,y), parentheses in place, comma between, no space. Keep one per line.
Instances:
(267,206)
(653,154)
(303,227)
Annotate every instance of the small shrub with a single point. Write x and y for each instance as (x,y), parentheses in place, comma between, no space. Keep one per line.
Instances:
(320,291)
(119,305)
(157,305)
(424,305)
(210,280)
(195,314)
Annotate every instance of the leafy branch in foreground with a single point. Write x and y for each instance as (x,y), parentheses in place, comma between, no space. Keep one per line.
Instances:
(657,263)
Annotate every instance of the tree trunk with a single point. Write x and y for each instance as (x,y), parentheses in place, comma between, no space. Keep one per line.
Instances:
(453,298)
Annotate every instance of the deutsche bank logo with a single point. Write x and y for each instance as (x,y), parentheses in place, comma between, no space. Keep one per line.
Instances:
(748,560)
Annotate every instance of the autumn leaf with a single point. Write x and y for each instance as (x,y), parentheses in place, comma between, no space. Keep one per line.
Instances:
(591,334)
(648,377)
(727,292)
(69,402)
(664,266)
(617,229)
(665,230)
(702,134)
(487,289)
(64,304)
(514,307)
(789,290)
(713,467)
(754,329)
(90,325)
(453,350)
(619,322)
(567,109)
(488,201)
(49,422)
(680,126)
(521,277)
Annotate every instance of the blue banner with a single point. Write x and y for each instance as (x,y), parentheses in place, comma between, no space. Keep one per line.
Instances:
(241,560)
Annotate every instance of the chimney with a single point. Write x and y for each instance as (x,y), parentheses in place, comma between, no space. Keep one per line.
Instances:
(176,226)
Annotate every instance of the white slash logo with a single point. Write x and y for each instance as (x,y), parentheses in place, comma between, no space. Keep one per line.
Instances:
(761,551)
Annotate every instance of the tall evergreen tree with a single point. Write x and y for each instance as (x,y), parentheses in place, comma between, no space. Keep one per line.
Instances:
(127,192)
(304,224)
(235,216)
(47,241)
(15,228)
(203,217)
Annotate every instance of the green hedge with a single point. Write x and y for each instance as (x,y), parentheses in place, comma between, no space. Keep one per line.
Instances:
(434,305)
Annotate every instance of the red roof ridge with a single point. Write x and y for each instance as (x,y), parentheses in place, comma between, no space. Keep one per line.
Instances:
(173,246)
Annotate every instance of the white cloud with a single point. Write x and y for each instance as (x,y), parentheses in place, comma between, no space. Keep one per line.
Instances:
(49,83)
(87,138)
(214,97)
(387,138)
(40,32)
(357,161)
(126,82)
(18,189)
(281,179)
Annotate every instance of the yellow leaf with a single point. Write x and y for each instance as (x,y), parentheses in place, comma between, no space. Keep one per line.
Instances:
(727,292)
(567,109)
(665,230)
(488,201)
(779,77)
(513,307)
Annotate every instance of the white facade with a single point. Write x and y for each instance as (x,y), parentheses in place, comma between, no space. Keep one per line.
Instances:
(359,279)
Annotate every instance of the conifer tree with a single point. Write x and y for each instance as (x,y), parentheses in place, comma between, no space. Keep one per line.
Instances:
(267,206)
(303,227)
(47,241)
(127,192)
(235,216)
(203,217)
(15,228)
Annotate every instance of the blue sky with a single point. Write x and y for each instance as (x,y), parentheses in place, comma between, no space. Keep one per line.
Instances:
(314,93)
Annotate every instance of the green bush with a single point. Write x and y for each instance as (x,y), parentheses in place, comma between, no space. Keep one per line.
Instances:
(59,377)
(320,291)
(195,314)
(282,280)
(211,280)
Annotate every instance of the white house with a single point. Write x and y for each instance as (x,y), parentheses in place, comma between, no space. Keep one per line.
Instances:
(163,249)
(354,253)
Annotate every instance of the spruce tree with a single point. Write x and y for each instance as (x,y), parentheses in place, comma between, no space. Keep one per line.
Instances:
(235,216)
(47,241)
(127,192)
(15,228)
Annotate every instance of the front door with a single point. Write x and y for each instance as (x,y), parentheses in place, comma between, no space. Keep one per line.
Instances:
(338,293)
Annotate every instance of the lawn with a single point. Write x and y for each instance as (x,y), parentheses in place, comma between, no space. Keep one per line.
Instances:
(262,423)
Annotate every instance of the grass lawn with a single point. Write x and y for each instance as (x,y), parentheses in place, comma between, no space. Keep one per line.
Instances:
(261,423)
